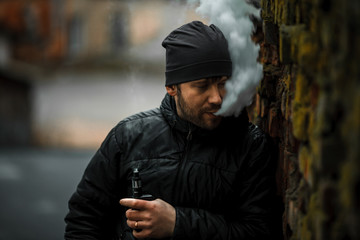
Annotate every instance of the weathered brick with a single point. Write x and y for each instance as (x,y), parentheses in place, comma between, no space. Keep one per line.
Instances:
(314,113)
(284,46)
(258,105)
(300,120)
(305,164)
(264,107)
(271,32)
(274,123)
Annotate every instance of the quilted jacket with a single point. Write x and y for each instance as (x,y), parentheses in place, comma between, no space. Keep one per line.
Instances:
(221,182)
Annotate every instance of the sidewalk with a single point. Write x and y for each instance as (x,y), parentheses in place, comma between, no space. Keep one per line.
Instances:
(35,185)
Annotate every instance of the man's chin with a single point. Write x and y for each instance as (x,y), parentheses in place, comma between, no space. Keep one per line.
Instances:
(212,123)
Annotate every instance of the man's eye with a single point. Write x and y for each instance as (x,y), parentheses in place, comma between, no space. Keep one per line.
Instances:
(222,84)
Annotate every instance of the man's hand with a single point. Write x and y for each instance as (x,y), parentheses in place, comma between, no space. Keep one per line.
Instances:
(156,218)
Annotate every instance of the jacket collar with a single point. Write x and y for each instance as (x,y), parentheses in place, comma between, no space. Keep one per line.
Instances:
(168,108)
(228,124)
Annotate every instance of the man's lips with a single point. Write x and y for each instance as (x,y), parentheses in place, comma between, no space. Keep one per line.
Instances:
(211,110)
(212,115)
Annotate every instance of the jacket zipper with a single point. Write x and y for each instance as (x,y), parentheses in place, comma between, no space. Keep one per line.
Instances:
(183,163)
(188,138)
(187,143)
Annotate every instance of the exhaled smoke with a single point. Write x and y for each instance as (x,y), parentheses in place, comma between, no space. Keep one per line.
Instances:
(232,17)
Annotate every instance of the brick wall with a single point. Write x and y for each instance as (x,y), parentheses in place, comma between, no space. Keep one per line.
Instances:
(309,103)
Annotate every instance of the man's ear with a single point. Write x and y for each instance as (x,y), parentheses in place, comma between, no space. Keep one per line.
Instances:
(172,90)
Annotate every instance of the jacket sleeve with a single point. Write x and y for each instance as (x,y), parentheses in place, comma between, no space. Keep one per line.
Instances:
(252,214)
(91,207)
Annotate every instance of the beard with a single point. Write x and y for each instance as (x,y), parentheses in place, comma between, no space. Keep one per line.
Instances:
(197,116)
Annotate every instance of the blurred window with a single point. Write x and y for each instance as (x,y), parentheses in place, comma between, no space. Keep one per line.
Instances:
(76,35)
(117,31)
(4,51)
(31,23)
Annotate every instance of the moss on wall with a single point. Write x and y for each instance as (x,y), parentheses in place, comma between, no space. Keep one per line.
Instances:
(309,103)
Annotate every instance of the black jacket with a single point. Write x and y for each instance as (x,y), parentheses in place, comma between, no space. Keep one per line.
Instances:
(220,182)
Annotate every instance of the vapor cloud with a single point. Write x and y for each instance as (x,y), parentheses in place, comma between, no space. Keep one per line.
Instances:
(232,17)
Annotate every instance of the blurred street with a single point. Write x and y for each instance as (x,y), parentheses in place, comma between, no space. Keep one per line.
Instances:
(35,185)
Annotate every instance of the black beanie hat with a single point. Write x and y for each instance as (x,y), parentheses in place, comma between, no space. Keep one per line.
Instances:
(195,51)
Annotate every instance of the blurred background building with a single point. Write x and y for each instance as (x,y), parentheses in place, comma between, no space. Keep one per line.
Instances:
(70,70)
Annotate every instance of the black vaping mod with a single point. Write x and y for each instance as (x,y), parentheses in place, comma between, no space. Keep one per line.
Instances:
(137,187)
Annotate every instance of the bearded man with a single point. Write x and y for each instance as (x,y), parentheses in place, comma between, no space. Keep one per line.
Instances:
(211,177)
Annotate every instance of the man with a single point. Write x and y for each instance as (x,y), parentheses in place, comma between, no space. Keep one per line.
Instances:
(211,176)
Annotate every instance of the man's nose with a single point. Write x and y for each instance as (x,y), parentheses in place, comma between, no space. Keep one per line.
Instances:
(215,96)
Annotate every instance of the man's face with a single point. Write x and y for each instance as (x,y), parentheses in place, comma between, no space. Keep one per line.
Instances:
(197,101)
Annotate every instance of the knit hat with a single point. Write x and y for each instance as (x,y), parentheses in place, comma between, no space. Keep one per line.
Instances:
(195,51)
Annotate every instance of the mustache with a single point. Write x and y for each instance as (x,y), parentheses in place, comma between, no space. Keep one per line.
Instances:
(211,108)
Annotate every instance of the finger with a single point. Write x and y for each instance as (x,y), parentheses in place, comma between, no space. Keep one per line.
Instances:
(134,224)
(134,203)
(136,215)
(126,202)
(133,214)
(137,224)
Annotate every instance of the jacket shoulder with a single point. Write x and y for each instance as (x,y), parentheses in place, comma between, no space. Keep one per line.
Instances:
(139,124)
(141,116)
(140,120)
(132,128)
